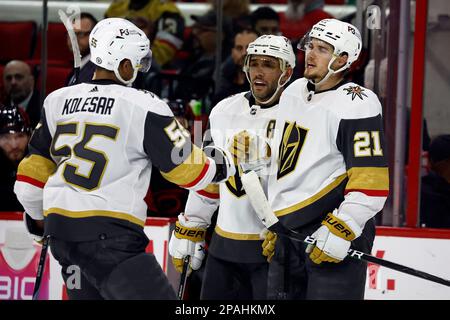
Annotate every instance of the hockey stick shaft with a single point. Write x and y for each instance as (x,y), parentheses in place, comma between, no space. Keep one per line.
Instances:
(67,21)
(41,267)
(358,255)
(183,277)
(258,200)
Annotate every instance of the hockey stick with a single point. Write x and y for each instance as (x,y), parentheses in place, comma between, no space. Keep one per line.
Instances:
(258,200)
(183,277)
(41,268)
(67,21)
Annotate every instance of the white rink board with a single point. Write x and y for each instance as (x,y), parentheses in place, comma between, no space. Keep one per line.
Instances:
(428,255)
(157,232)
(424,254)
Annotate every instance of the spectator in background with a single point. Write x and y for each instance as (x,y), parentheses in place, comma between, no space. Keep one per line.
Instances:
(166,36)
(238,11)
(233,77)
(196,79)
(300,16)
(265,20)
(435,192)
(14,135)
(18,81)
(83,30)
(297,21)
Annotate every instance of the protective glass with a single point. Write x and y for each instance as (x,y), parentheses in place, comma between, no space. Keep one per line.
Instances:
(145,63)
(309,44)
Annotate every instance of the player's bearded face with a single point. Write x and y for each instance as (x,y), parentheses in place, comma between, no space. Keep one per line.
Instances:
(14,145)
(317,57)
(264,75)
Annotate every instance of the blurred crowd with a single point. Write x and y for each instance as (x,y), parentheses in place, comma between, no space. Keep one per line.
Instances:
(184,73)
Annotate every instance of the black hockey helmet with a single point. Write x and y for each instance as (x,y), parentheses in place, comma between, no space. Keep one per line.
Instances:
(12,120)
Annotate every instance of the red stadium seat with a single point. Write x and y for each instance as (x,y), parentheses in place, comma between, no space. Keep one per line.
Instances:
(18,39)
(56,77)
(58,54)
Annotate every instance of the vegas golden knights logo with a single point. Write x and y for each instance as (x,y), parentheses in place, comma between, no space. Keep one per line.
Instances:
(234,184)
(290,147)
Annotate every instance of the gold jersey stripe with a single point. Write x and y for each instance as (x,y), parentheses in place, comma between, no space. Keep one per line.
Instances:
(212,188)
(94,213)
(368,178)
(236,236)
(314,198)
(36,167)
(189,170)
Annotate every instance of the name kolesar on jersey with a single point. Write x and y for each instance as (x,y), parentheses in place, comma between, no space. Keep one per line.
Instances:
(99,105)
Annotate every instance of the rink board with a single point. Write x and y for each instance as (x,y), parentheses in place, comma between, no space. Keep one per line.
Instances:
(422,249)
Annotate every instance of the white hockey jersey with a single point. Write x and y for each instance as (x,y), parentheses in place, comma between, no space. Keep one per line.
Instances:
(236,234)
(330,154)
(90,159)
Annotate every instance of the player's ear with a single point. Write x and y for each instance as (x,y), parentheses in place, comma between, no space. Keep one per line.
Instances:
(126,69)
(126,65)
(287,75)
(341,61)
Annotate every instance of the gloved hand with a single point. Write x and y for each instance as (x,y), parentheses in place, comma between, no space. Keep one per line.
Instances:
(268,245)
(333,238)
(34,227)
(250,151)
(225,166)
(188,239)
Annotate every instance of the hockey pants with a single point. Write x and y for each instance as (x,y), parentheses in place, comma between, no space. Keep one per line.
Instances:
(225,280)
(114,268)
(292,275)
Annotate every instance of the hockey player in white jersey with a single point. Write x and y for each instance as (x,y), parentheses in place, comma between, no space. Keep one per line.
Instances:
(332,176)
(235,267)
(89,167)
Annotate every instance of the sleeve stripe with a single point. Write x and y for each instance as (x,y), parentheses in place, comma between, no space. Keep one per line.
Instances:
(371,193)
(368,178)
(31,181)
(168,45)
(199,178)
(208,194)
(191,171)
(168,38)
(37,168)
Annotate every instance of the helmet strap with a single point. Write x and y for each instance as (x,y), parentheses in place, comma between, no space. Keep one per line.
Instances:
(329,74)
(279,86)
(283,67)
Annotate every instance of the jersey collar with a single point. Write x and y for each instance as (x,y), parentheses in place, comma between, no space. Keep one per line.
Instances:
(105,82)
(252,101)
(312,87)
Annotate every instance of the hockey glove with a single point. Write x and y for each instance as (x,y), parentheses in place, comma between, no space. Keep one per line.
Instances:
(34,227)
(268,245)
(250,151)
(225,166)
(333,238)
(188,239)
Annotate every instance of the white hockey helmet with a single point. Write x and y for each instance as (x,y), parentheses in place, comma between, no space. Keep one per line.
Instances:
(344,37)
(115,39)
(273,46)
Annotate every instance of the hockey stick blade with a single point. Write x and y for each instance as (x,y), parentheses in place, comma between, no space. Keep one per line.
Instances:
(258,200)
(41,268)
(183,277)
